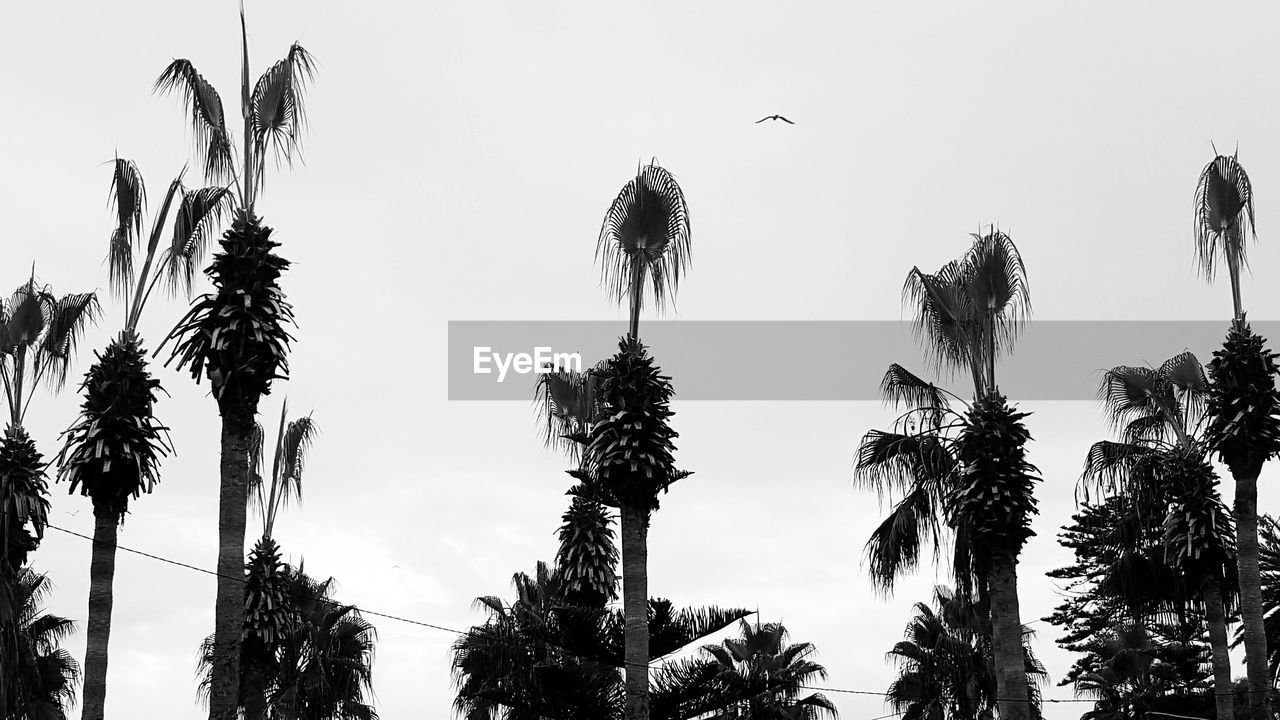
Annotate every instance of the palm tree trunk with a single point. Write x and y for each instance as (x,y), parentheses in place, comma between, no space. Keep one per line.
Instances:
(635,609)
(255,700)
(1216,619)
(1233,268)
(1011,670)
(102,571)
(1255,635)
(233,498)
(637,297)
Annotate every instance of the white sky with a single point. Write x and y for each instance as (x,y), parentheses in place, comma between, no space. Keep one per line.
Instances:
(460,160)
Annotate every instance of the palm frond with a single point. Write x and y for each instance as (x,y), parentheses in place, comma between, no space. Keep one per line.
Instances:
(199,214)
(1223,214)
(128,196)
(998,281)
(645,237)
(1110,467)
(889,460)
(1190,384)
(68,318)
(567,405)
(941,317)
(901,388)
(899,542)
(292,456)
(208,122)
(1127,393)
(25,316)
(279,107)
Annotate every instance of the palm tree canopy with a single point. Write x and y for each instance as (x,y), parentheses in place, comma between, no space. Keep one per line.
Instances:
(644,239)
(629,458)
(274,114)
(319,664)
(199,211)
(41,683)
(1223,214)
(968,313)
(112,452)
(39,332)
(293,442)
(946,669)
(1243,402)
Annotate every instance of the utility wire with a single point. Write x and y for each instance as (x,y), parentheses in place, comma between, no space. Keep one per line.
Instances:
(656,668)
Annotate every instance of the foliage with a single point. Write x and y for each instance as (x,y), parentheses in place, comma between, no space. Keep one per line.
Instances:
(629,457)
(993,496)
(236,335)
(946,668)
(40,684)
(644,240)
(318,665)
(24,507)
(587,558)
(541,656)
(112,452)
(1243,402)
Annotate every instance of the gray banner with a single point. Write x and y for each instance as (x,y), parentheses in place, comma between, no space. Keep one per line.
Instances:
(814,360)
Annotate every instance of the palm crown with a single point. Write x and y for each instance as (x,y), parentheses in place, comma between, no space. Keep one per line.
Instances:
(1223,217)
(274,113)
(644,241)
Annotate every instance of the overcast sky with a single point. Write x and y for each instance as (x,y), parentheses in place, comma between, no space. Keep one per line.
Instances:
(460,159)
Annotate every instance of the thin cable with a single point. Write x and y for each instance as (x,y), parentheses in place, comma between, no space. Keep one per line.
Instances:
(624,664)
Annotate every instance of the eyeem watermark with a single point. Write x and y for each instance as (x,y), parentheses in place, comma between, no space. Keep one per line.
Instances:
(485,361)
(808,360)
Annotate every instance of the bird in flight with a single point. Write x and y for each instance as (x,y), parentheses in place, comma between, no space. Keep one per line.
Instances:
(774,117)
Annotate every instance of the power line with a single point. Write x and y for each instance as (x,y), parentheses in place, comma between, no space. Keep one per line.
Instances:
(625,664)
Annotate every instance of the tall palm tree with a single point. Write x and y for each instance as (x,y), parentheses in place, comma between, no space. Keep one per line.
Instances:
(770,674)
(644,247)
(237,334)
(1160,469)
(627,462)
(945,667)
(967,471)
(269,616)
(39,332)
(41,681)
(112,452)
(1244,404)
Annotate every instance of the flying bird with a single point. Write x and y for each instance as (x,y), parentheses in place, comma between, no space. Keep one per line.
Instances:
(774,117)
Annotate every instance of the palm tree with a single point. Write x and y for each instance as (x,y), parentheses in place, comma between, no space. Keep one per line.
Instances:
(1160,469)
(112,452)
(40,684)
(965,470)
(945,666)
(769,674)
(1243,401)
(326,664)
(542,656)
(237,334)
(268,614)
(323,667)
(1142,678)
(644,246)
(39,332)
(627,462)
